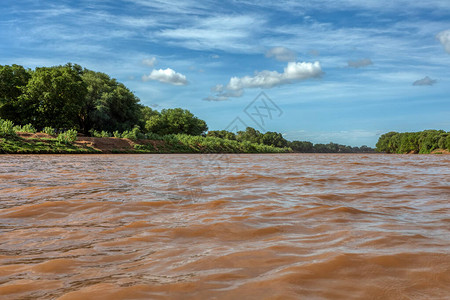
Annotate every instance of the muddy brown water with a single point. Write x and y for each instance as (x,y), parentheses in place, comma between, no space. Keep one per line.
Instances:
(294,226)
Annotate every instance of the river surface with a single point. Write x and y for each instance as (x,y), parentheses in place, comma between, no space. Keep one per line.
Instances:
(292,226)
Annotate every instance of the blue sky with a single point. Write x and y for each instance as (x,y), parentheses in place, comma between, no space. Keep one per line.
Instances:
(342,71)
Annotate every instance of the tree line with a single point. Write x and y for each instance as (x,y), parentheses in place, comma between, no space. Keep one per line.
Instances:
(71,97)
(276,139)
(413,142)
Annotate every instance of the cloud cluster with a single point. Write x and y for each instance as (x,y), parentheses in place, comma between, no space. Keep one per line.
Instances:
(444,38)
(360,63)
(282,54)
(424,81)
(293,72)
(166,76)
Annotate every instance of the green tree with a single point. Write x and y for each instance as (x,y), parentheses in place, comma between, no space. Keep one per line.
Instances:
(13,79)
(384,142)
(109,105)
(174,121)
(53,97)
(145,113)
(274,139)
(300,146)
(250,135)
(223,134)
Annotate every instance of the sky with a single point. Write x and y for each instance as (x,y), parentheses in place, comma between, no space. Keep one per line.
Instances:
(321,71)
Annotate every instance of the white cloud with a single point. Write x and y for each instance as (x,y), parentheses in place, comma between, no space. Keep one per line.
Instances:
(444,38)
(149,62)
(282,54)
(166,76)
(293,72)
(360,63)
(425,81)
(268,79)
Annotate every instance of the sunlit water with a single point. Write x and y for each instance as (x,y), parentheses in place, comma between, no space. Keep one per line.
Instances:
(293,226)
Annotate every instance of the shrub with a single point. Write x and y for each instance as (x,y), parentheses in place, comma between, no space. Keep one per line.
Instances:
(134,134)
(117,134)
(67,137)
(49,130)
(6,128)
(28,128)
(154,136)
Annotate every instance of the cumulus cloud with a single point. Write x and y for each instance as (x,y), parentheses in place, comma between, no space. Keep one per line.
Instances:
(293,72)
(166,76)
(360,63)
(282,54)
(444,38)
(149,62)
(425,81)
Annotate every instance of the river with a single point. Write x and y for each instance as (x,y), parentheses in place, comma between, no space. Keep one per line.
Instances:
(291,226)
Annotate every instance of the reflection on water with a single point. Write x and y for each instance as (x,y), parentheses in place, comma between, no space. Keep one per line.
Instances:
(225,227)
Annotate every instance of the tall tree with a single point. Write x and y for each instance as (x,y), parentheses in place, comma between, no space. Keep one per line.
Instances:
(13,79)
(53,97)
(109,104)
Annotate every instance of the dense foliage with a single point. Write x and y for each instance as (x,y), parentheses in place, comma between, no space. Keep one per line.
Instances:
(413,142)
(108,104)
(68,97)
(276,139)
(183,143)
(175,121)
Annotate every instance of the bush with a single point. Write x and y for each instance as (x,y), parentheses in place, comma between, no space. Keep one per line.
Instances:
(154,136)
(6,128)
(134,134)
(28,128)
(67,137)
(117,134)
(49,130)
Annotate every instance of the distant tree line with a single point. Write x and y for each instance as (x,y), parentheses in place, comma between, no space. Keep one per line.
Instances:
(413,142)
(276,139)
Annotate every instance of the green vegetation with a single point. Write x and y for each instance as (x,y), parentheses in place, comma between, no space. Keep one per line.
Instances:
(414,142)
(17,145)
(49,131)
(7,128)
(276,139)
(175,121)
(67,137)
(183,143)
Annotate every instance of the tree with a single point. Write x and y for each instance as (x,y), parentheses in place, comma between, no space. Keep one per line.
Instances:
(223,134)
(145,114)
(109,104)
(13,79)
(174,121)
(303,147)
(250,135)
(274,139)
(53,97)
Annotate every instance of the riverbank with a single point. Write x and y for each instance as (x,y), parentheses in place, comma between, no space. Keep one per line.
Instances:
(42,143)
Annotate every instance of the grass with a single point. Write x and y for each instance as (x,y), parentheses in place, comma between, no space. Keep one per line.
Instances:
(18,145)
